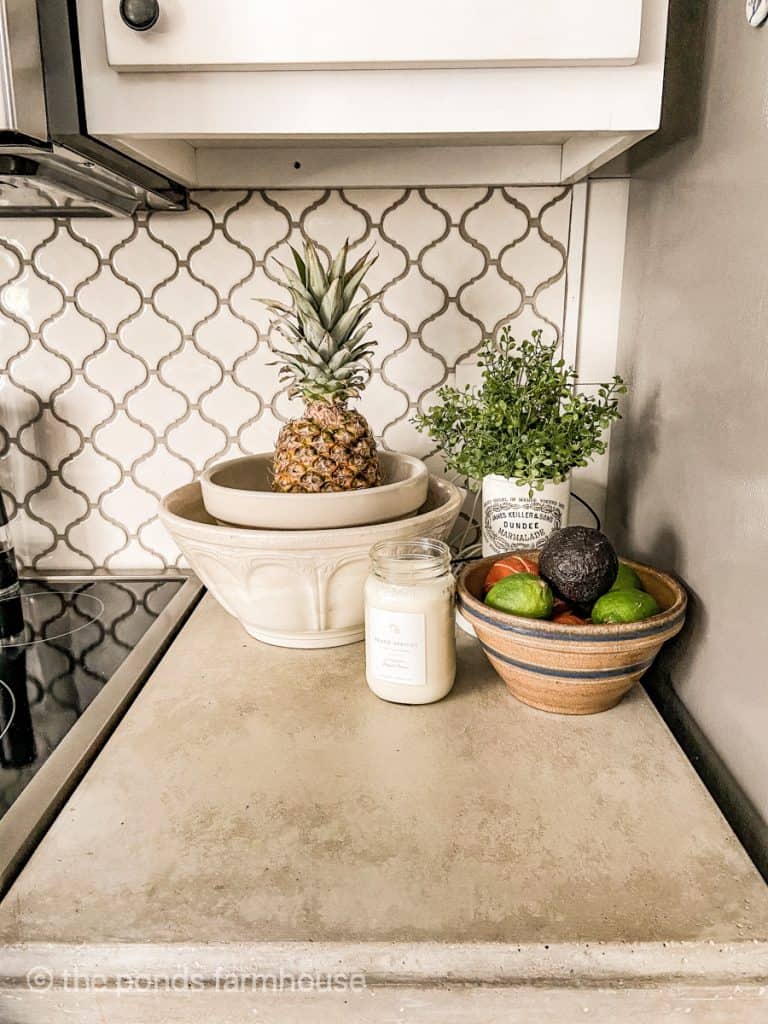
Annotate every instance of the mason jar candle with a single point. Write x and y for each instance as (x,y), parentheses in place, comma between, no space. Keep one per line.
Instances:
(410,646)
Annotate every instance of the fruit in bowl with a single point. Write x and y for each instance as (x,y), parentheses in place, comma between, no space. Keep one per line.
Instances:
(571,664)
(522,593)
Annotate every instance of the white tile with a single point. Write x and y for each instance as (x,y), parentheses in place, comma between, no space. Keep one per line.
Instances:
(333,222)
(14,338)
(391,262)
(496,223)
(414,224)
(155,538)
(261,435)
(25,234)
(414,370)
(49,439)
(97,536)
(58,505)
(260,372)
(150,337)
(453,262)
(181,232)
(135,555)
(90,472)
(20,474)
(414,299)
(246,299)
(73,335)
(402,436)
(389,334)
(156,405)
(196,440)
(116,371)
(293,202)
(535,198)
(162,472)
(190,372)
(258,225)
(66,261)
(226,338)
(456,201)
(130,505)
(123,440)
(108,299)
(40,371)
(17,407)
(220,202)
(31,299)
(10,264)
(381,404)
(145,262)
(185,301)
(491,299)
(82,405)
(375,201)
(532,261)
(452,334)
(230,406)
(221,264)
(104,234)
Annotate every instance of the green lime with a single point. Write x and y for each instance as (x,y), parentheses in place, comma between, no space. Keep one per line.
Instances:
(626,579)
(624,606)
(522,593)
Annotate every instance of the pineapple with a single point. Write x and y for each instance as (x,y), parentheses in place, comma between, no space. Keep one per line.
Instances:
(330,447)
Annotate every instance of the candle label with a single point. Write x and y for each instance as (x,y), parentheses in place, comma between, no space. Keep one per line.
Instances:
(396,647)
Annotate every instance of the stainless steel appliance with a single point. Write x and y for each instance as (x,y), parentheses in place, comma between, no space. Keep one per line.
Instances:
(76,653)
(48,162)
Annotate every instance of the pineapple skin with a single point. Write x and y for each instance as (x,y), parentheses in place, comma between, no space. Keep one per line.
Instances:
(330,448)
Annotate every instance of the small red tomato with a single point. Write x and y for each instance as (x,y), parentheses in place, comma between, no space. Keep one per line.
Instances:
(569,619)
(506,567)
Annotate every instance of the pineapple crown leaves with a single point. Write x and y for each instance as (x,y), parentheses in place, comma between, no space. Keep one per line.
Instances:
(325,329)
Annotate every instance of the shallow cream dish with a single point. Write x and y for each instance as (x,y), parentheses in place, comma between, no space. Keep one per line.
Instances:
(239,491)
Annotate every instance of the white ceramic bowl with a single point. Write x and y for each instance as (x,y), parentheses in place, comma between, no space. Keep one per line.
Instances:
(295,588)
(239,491)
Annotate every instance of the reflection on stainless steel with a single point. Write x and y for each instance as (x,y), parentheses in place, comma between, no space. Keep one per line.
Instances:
(68,677)
(77,675)
(74,637)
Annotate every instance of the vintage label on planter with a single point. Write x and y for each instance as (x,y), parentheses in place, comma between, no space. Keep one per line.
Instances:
(513,521)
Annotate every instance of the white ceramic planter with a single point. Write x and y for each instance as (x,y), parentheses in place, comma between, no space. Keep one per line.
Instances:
(514,521)
(295,588)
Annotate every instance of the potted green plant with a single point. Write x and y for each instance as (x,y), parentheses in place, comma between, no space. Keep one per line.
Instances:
(519,435)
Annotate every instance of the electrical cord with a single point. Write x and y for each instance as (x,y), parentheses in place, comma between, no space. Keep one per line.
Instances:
(589,509)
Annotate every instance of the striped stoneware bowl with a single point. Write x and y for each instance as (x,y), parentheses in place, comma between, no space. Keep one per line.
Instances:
(571,670)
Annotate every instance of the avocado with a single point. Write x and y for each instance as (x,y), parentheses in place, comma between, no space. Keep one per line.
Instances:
(579,564)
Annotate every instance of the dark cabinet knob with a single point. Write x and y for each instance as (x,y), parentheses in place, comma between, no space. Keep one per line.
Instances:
(139,14)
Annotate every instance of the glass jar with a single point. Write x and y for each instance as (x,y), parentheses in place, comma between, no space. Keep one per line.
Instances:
(410,645)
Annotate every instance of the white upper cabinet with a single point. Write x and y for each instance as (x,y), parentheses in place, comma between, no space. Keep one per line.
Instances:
(234,93)
(316,34)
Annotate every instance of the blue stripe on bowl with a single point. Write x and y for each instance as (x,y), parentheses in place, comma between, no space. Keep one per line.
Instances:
(636,634)
(584,675)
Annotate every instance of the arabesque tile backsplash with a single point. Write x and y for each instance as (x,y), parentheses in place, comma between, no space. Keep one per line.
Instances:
(135,352)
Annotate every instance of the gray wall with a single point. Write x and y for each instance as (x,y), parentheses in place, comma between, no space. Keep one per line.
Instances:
(689,466)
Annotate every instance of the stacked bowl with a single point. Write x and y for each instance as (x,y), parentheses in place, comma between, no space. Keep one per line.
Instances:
(292,567)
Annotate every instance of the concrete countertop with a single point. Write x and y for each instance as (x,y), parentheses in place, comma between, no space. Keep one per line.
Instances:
(261,806)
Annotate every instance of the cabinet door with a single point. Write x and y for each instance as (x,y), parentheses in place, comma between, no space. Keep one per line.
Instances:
(251,34)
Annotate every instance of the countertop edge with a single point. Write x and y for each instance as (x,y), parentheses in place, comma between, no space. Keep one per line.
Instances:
(393,963)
